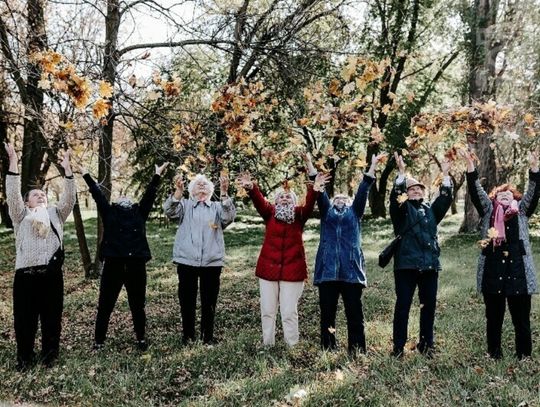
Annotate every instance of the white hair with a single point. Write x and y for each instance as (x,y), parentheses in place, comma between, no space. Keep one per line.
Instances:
(280,192)
(200,177)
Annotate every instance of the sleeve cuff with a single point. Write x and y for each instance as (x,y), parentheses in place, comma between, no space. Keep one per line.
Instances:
(400,179)
(12,173)
(447,181)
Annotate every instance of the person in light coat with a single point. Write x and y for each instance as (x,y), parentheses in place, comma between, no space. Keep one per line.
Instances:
(199,249)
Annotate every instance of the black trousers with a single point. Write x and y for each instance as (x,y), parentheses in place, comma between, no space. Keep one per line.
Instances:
(188,281)
(405,285)
(118,272)
(38,296)
(351,293)
(520,311)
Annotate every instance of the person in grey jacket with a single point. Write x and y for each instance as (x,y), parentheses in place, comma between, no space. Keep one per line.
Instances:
(199,249)
(506,272)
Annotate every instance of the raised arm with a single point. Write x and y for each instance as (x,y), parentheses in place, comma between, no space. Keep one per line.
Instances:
(360,199)
(529,202)
(397,209)
(102,204)
(263,207)
(13,187)
(149,196)
(228,210)
(305,211)
(173,206)
(478,195)
(322,199)
(69,196)
(442,203)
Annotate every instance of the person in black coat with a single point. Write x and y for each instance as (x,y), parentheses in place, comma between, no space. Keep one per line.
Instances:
(125,252)
(506,272)
(416,261)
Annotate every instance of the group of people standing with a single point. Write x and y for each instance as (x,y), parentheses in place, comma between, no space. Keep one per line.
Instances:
(505,268)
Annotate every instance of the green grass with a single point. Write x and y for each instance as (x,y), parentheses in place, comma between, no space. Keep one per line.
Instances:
(239,370)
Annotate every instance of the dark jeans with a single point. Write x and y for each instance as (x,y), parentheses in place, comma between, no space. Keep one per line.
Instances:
(520,311)
(38,296)
(188,279)
(351,293)
(405,284)
(118,272)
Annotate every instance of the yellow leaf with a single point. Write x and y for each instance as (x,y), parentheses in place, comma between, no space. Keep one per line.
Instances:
(100,108)
(105,89)
(402,198)
(528,118)
(493,233)
(212,225)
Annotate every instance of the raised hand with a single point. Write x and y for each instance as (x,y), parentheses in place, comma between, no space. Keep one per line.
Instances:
(400,163)
(445,166)
(160,169)
(178,186)
(468,156)
(224,185)
(322,178)
(376,159)
(65,163)
(13,159)
(306,157)
(533,161)
(244,180)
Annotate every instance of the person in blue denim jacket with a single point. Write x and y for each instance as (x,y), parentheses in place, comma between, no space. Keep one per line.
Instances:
(340,265)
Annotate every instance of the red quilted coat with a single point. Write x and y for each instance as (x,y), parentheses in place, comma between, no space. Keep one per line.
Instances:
(282,254)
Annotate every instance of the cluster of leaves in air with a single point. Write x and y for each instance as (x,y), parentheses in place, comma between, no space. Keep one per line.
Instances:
(461,128)
(60,75)
(341,105)
(160,87)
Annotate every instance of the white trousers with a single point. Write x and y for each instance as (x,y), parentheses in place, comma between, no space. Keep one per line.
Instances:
(286,294)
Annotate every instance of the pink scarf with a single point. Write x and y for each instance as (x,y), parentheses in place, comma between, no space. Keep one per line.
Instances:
(502,213)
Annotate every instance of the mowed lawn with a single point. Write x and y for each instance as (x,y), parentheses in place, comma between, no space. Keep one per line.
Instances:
(239,371)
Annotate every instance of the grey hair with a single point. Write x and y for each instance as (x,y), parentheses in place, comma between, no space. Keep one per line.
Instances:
(280,192)
(200,177)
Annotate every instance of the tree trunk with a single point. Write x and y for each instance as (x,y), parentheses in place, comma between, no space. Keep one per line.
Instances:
(33,142)
(112,26)
(482,87)
(4,160)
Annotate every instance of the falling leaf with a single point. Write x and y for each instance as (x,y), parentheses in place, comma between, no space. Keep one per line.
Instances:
(67,125)
(402,198)
(339,375)
(44,83)
(528,118)
(348,88)
(105,89)
(492,233)
(478,370)
(153,95)
(332,330)
(303,121)
(100,108)
(132,80)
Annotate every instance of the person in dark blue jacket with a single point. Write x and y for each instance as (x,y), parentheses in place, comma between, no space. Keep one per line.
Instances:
(340,265)
(125,252)
(416,261)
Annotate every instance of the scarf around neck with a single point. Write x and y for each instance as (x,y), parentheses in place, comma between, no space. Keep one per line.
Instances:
(41,223)
(285,213)
(502,213)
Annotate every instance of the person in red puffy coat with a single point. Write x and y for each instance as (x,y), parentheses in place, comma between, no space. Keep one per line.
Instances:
(281,267)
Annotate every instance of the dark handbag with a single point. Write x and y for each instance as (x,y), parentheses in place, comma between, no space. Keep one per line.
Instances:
(388,252)
(57,260)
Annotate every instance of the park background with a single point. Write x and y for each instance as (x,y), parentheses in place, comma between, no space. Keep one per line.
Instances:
(220,87)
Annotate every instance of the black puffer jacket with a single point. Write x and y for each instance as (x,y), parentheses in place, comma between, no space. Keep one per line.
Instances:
(124,230)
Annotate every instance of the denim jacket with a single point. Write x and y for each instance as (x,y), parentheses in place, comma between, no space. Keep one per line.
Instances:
(340,257)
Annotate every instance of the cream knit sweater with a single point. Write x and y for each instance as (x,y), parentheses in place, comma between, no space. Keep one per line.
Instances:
(33,250)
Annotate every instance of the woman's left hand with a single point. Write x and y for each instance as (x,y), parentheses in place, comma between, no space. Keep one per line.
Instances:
(224,185)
